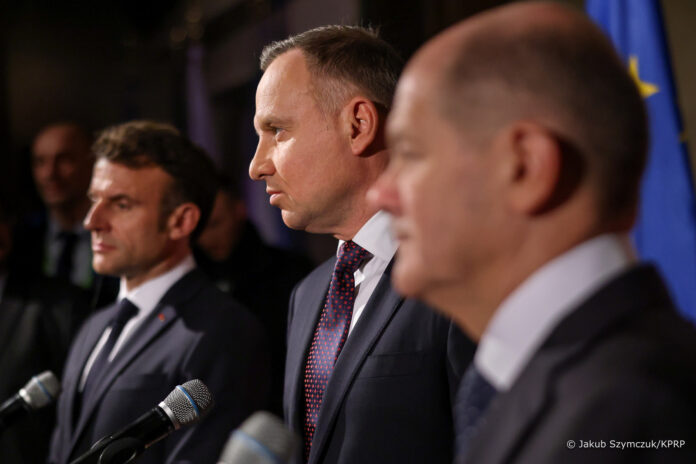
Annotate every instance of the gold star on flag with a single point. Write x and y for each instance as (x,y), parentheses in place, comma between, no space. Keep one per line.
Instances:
(645,88)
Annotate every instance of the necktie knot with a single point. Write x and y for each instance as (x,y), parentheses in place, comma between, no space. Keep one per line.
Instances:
(350,257)
(126,310)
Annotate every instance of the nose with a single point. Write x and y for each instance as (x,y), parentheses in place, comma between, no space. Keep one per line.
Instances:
(95,218)
(261,165)
(384,193)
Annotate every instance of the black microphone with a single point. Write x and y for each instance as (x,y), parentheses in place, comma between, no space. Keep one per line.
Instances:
(185,405)
(261,439)
(40,391)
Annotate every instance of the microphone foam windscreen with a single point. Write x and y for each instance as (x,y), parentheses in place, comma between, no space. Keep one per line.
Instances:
(190,402)
(41,390)
(261,439)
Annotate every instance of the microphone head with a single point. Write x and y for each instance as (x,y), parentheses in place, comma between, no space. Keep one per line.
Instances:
(188,403)
(261,439)
(41,390)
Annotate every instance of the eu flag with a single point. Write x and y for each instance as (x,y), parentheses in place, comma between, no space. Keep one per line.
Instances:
(666,229)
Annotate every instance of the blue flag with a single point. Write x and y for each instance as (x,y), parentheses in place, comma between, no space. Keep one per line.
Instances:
(666,229)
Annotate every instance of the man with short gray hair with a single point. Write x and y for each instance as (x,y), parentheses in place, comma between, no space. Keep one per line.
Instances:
(369,375)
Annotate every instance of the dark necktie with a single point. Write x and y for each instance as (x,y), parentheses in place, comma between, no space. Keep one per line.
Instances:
(473,397)
(126,310)
(65,257)
(330,334)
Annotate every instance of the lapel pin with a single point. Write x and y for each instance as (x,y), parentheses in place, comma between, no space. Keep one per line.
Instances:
(161,317)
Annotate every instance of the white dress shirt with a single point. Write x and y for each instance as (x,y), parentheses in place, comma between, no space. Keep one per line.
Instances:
(145,297)
(530,313)
(375,237)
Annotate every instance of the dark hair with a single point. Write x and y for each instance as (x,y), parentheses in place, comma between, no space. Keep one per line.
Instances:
(138,144)
(343,60)
(566,75)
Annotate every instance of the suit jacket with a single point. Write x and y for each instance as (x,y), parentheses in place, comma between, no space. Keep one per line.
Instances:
(195,332)
(621,367)
(38,317)
(261,277)
(389,397)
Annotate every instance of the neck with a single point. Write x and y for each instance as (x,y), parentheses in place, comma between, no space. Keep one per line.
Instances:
(164,266)
(347,230)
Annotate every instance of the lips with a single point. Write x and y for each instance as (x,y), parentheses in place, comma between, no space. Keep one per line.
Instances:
(274,195)
(101,247)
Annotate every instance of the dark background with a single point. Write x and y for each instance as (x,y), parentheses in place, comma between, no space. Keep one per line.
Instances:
(102,62)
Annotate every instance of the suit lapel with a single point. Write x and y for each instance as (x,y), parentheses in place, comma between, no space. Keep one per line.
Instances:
(93,330)
(379,310)
(164,314)
(514,413)
(309,305)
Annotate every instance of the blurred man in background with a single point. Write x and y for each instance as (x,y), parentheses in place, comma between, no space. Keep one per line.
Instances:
(518,144)
(233,255)
(56,243)
(369,375)
(151,193)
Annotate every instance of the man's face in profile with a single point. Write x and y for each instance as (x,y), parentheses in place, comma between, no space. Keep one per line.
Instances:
(128,236)
(302,151)
(438,188)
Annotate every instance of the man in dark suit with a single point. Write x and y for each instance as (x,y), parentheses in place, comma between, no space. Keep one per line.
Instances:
(518,142)
(369,375)
(151,193)
(38,318)
(54,242)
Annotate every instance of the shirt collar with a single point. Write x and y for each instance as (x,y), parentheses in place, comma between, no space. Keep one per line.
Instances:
(147,295)
(530,313)
(375,236)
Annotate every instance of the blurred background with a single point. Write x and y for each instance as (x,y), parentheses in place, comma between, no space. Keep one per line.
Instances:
(194,63)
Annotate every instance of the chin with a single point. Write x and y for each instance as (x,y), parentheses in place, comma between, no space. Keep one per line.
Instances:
(407,282)
(293,220)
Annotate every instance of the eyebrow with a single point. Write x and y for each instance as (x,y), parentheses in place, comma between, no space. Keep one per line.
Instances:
(115,198)
(266,122)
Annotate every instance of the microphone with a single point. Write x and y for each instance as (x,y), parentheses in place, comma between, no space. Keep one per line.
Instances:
(40,391)
(185,405)
(261,439)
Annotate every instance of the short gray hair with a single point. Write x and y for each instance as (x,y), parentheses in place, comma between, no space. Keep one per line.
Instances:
(343,61)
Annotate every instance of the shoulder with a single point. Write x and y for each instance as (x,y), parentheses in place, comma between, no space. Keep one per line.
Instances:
(209,308)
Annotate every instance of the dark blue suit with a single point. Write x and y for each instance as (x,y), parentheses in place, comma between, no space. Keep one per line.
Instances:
(389,397)
(621,367)
(195,332)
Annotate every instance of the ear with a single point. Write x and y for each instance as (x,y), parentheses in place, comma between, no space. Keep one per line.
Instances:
(535,167)
(362,120)
(183,220)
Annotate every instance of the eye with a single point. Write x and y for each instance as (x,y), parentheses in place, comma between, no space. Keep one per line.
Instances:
(277,130)
(123,205)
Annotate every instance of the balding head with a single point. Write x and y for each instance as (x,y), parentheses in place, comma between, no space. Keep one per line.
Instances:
(515,135)
(550,64)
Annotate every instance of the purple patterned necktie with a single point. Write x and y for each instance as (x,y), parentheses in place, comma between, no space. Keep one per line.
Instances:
(330,334)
